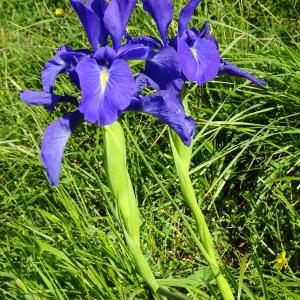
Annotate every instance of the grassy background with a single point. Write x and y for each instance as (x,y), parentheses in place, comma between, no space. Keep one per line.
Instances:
(63,243)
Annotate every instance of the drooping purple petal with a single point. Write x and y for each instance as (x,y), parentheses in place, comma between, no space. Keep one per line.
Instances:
(134,51)
(186,14)
(162,13)
(91,17)
(164,67)
(53,67)
(116,18)
(177,84)
(200,62)
(54,143)
(166,106)
(65,60)
(38,98)
(142,81)
(48,100)
(226,68)
(106,92)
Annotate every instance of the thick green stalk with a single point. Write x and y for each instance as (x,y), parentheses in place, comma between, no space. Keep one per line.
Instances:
(182,156)
(119,180)
(121,187)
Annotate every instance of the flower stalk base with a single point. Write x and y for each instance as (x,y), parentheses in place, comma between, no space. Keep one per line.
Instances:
(127,205)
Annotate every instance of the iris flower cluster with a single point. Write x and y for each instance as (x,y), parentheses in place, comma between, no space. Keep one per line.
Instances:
(105,79)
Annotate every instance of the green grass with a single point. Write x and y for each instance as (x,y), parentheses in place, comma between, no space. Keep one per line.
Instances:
(63,243)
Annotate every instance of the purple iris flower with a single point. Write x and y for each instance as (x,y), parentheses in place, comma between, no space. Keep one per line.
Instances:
(103,76)
(198,53)
(105,79)
(200,60)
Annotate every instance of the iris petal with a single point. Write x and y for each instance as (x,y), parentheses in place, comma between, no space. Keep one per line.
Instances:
(65,60)
(116,18)
(190,36)
(164,68)
(92,21)
(105,91)
(54,142)
(186,14)
(204,32)
(48,100)
(134,51)
(166,106)
(146,41)
(105,54)
(200,62)
(162,13)
(227,68)
(142,81)
(99,7)
(53,67)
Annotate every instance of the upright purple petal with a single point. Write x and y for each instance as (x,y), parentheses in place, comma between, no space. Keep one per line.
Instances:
(54,143)
(186,14)
(92,21)
(200,62)
(166,106)
(190,36)
(106,92)
(99,7)
(116,18)
(48,100)
(164,67)
(162,12)
(204,32)
(227,68)
(105,55)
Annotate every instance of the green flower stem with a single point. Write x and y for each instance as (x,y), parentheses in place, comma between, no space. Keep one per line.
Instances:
(119,181)
(127,206)
(182,157)
(143,265)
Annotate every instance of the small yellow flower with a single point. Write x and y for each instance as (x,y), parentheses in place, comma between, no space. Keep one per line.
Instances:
(58,11)
(281,261)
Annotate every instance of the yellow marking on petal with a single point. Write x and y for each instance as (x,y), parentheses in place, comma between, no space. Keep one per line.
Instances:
(58,11)
(194,51)
(103,78)
(281,261)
